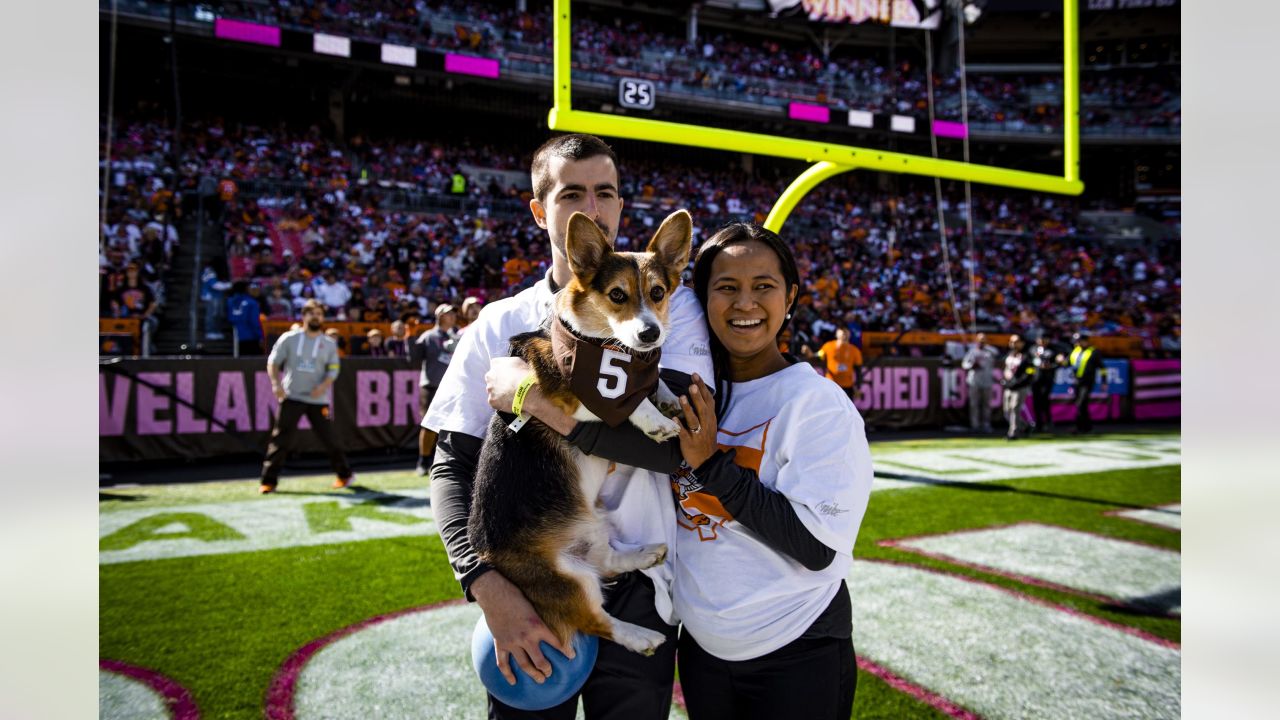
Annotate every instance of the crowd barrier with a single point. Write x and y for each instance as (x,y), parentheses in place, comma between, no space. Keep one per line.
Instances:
(183,409)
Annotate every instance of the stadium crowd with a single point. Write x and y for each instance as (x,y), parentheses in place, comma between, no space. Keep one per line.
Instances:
(325,223)
(739,66)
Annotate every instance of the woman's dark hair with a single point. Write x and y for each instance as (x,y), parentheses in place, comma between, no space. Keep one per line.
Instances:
(737,234)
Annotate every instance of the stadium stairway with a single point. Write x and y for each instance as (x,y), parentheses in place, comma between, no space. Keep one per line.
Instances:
(174,334)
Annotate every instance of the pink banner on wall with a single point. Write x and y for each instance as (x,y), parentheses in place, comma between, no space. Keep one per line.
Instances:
(246,32)
(467,65)
(1157,389)
(809,113)
(948,129)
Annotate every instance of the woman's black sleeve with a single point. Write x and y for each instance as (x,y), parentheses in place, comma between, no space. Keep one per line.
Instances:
(767,513)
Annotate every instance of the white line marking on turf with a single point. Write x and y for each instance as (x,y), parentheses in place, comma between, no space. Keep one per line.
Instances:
(1065,559)
(268,523)
(1004,655)
(123,698)
(1165,516)
(985,464)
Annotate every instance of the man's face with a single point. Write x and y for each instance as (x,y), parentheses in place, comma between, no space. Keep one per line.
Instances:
(842,335)
(448,320)
(313,318)
(588,186)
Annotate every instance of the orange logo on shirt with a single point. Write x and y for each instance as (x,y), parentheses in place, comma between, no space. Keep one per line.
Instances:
(702,513)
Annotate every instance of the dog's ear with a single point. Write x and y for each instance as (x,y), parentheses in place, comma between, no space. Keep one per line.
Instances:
(672,241)
(586,247)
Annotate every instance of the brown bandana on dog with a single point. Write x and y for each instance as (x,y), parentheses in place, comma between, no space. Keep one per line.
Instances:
(610,379)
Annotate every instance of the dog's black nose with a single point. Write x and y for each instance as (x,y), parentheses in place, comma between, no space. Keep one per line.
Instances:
(649,334)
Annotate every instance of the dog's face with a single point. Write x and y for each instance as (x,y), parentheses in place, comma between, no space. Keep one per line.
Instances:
(624,295)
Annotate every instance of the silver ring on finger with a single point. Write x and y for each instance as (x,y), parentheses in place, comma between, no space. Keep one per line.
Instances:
(696,430)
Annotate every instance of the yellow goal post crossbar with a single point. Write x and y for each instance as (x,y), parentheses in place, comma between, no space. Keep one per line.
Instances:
(829,159)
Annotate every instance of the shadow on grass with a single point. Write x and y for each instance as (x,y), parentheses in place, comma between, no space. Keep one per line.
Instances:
(994,487)
(116,497)
(368,495)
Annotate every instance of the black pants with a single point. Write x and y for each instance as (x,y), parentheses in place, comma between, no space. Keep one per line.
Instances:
(287,427)
(1040,406)
(1084,421)
(807,679)
(624,685)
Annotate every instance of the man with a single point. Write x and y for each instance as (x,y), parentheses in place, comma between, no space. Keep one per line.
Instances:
(978,363)
(397,345)
(211,294)
(135,299)
(470,311)
(244,314)
(1042,386)
(842,359)
(432,351)
(375,346)
(1084,361)
(571,173)
(1018,374)
(310,363)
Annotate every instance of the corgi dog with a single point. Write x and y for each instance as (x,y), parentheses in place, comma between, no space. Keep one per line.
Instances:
(534,515)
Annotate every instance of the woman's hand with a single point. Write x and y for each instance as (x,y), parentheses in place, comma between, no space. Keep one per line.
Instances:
(698,426)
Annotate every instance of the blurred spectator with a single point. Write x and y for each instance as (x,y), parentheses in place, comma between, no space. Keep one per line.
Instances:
(279,307)
(432,351)
(1018,374)
(213,295)
(135,299)
(842,361)
(244,314)
(398,344)
(336,337)
(978,364)
(374,347)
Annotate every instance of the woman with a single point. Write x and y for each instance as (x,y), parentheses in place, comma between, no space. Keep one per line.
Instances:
(776,479)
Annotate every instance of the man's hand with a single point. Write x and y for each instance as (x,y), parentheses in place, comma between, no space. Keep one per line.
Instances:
(517,630)
(278,390)
(319,391)
(503,378)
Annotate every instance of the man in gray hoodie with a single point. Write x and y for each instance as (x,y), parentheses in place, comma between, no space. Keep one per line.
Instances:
(310,364)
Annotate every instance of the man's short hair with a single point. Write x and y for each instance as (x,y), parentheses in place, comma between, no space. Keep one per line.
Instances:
(570,147)
(313,304)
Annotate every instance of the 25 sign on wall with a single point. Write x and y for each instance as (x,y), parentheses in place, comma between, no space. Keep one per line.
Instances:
(635,94)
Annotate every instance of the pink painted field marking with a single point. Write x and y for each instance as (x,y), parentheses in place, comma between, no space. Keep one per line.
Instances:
(1118,514)
(1142,634)
(903,685)
(280,694)
(177,699)
(898,544)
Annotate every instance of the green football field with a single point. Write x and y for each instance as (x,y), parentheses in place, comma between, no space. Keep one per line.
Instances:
(991,579)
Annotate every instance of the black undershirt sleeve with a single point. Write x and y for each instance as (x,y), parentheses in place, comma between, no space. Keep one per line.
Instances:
(626,445)
(766,513)
(452,478)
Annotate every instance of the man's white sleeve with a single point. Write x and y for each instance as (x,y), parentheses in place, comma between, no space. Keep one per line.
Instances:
(461,402)
(688,349)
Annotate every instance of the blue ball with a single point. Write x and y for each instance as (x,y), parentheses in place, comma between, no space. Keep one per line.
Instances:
(567,676)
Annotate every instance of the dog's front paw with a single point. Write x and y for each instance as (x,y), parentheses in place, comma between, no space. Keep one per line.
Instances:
(670,409)
(661,429)
(653,555)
